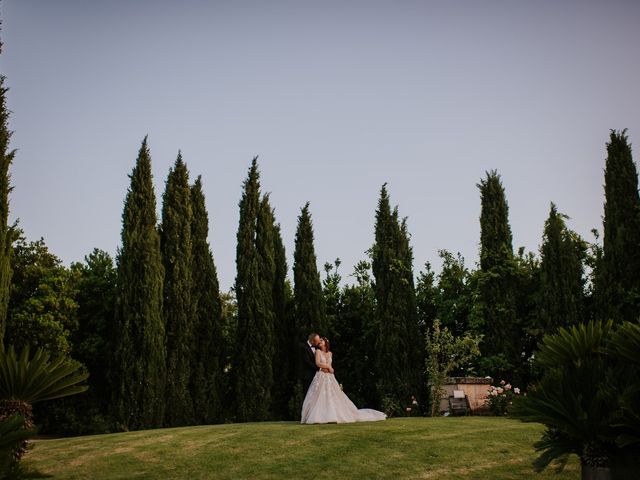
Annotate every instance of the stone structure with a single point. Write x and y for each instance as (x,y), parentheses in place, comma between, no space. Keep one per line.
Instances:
(475,388)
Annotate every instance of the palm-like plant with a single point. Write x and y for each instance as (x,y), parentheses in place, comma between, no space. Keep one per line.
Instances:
(581,395)
(26,379)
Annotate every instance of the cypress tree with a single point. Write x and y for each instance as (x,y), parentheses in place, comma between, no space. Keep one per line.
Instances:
(138,375)
(427,298)
(208,355)
(307,287)
(284,360)
(179,314)
(252,369)
(619,284)
(397,338)
(6,158)
(496,295)
(265,247)
(562,254)
(408,308)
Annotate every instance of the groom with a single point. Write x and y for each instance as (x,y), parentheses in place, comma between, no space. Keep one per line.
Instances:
(308,366)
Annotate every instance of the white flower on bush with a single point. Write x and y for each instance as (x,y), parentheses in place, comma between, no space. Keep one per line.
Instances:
(500,397)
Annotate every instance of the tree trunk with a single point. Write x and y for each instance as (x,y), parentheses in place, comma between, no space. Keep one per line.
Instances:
(595,473)
(24,409)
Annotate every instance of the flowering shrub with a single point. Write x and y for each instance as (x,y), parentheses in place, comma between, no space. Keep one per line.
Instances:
(501,397)
(412,409)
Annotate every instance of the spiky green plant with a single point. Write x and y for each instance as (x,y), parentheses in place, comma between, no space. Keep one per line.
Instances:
(26,379)
(587,396)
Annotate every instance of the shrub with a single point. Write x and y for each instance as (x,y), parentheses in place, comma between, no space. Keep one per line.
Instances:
(500,398)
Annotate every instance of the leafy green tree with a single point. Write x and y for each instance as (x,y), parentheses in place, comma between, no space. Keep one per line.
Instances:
(562,283)
(496,289)
(208,356)
(354,339)
(399,352)
(306,279)
(139,368)
(42,307)
(229,316)
(92,346)
(6,158)
(446,353)
(619,282)
(527,282)
(332,294)
(179,312)
(454,300)
(252,362)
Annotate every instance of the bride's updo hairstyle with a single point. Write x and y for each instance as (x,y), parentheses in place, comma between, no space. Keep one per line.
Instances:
(327,343)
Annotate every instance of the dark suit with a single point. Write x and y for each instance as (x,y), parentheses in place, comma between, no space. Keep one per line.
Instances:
(308,367)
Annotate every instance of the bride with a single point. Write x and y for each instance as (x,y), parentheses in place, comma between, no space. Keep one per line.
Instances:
(325,401)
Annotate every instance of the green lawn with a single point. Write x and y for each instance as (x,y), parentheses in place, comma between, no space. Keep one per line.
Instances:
(486,448)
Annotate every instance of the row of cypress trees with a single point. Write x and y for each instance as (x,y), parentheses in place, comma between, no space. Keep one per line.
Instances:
(564,295)
(167,332)
(167,366)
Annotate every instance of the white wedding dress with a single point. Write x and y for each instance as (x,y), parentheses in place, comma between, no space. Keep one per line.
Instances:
(327,403)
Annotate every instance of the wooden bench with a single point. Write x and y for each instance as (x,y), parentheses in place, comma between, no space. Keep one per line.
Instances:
(459,404)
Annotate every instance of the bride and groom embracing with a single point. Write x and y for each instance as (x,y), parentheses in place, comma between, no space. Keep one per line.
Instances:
(325,401)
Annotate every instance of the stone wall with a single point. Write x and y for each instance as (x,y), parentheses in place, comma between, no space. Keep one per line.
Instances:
(475,388)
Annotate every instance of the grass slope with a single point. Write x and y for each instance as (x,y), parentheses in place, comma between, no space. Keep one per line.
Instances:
(415,448)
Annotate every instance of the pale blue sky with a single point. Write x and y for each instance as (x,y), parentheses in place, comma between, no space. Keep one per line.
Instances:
(337,97)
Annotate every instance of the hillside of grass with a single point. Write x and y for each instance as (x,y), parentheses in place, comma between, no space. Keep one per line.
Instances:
(404,448)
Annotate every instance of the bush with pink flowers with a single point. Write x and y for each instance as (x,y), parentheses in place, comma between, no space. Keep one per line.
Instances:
(501,397)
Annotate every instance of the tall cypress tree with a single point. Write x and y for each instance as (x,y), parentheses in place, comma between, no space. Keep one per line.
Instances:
(252,368)
(619,285)
(397,336)
(284,335)
(208,354)
(307,287)
(496,295)
(265,247)
(138,372)
(6,157)
(561,296)
(179,314)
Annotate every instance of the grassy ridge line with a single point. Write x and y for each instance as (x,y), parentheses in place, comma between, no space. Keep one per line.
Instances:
(422,448)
